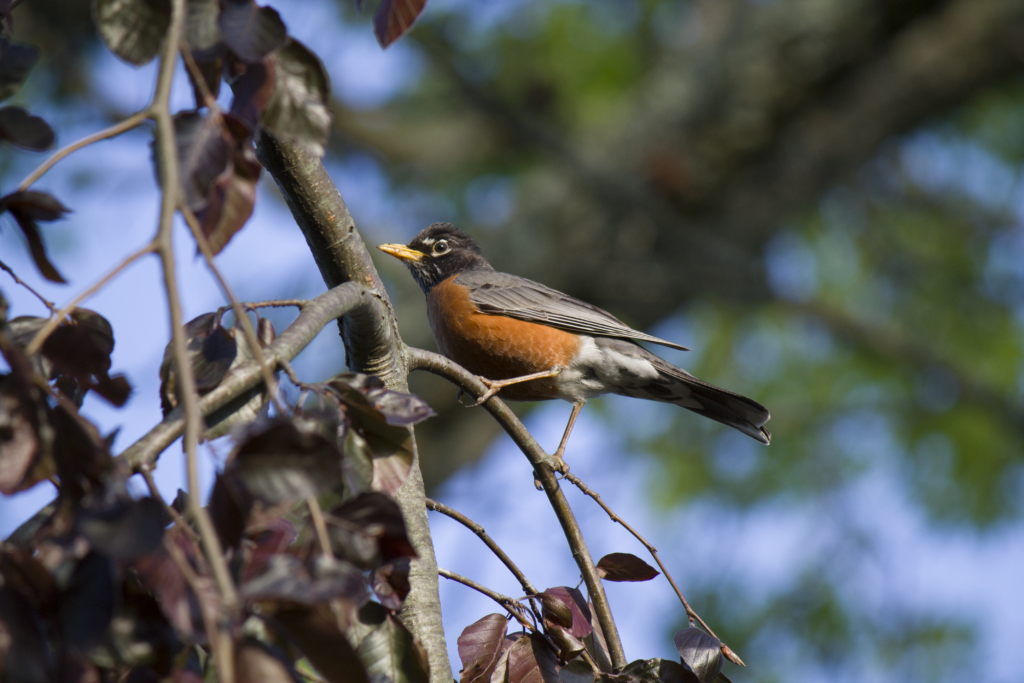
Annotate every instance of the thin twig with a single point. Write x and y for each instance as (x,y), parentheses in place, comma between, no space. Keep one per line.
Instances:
(167,158)
(49,304)
(192,579)
(133,121)
(690,612)
(154,492)
(55,321)
(544,472)
(199,79)
(317,515)
(510,604)
(488,541)
(322,310)
(240,315)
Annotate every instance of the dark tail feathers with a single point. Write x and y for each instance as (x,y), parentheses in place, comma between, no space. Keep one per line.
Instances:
(677,386)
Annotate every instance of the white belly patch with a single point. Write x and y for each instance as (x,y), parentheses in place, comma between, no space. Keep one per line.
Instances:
(601,370)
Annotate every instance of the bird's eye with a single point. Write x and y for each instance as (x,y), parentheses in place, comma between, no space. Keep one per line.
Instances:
(441,247)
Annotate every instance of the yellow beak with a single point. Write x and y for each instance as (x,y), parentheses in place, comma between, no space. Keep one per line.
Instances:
(402,252)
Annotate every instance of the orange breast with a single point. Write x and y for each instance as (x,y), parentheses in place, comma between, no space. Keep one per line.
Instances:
(496,347)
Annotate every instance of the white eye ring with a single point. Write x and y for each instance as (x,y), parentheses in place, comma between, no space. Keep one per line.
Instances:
(441,247)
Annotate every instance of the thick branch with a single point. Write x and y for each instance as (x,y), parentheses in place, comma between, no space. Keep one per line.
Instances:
(543,471)
(373,346)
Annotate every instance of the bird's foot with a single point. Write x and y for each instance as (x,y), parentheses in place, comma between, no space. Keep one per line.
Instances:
(557,464)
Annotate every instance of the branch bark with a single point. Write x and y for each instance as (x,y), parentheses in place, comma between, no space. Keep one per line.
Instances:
(372,346)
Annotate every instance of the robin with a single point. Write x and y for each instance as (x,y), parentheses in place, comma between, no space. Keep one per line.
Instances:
(528,342)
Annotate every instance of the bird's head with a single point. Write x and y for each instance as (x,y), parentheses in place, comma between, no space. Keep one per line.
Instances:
(438,252)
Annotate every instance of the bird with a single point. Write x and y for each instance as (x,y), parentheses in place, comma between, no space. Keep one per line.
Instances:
(528,342)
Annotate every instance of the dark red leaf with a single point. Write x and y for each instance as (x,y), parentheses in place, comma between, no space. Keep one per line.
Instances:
(16,61)
(555,608)
(625,567)
(578,671)
(162,576)
(211,351)
(205,148)
(314,631)
(250,31)
(232,199)
(24,573)
(573,599)
(699,653)
(369,530)
(390,583)
(210,71)
(368,394)
(24,453)
(596,644)
(230,504)
(80,349)
(394,17)
(26,656)
(81,455)
(282,463)
(253,89)
(133,29)
(202,32)
(287,578)
(659,671)
(24,130)
(480,647)
(27,208)
(279,534)
(255,661)
(530,661)
(125,530)
(297,111)
(87,604)
(391,653)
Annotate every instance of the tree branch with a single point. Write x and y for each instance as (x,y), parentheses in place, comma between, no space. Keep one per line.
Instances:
(543,470)
(488,541)
(690,612)
(373,346)
(510,604)
(315,315)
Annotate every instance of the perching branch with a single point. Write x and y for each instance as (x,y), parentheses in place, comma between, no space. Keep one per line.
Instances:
(544,472)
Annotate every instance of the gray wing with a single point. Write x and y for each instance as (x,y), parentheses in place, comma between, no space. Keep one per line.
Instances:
(516,297)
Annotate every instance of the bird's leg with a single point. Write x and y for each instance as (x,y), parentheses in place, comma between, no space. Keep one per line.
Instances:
(558,463)
(496,385)
(576,408)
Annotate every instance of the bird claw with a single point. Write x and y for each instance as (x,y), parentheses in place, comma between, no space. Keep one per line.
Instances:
(491,391)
